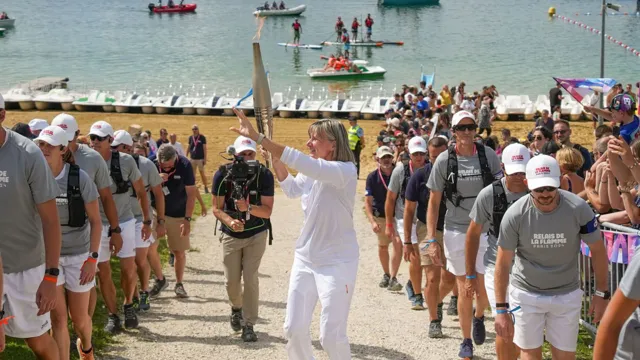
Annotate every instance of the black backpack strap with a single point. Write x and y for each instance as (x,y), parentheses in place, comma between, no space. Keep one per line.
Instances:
(405,180)
(136,157)
(75,203)
(500,206)
(116,174)
(451,182)
(487,175)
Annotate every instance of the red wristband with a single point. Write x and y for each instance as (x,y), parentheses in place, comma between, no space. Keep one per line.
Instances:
(92,260)
(389,225)
(50,278)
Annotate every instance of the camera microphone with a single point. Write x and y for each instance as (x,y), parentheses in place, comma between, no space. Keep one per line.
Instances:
(231,150)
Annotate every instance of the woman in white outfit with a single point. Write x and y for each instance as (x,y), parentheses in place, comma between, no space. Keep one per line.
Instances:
(326,257)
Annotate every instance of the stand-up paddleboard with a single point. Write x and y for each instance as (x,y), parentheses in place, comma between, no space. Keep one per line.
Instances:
(384,42)
(372,44)
(301,46)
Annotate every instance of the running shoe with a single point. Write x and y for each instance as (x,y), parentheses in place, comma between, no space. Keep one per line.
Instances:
(435,330)
(417,303)
(453,306)
(479,332)
(144,305)
(466,349)
(236,319)
(136,303)
(158,286)
(84,355)
(130,317)
(172,259)
(439,311)
(248,335)
(409,289)
(113,324)
(180,291)
(394,285)
(385,281)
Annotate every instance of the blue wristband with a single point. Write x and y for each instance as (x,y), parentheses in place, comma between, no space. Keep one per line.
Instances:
(502,311)
(471,277)
(431,241)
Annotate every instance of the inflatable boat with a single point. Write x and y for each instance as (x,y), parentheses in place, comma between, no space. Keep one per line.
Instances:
(277,12)
(186,8)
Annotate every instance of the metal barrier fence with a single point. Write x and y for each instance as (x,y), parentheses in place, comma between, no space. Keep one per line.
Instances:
(620,242)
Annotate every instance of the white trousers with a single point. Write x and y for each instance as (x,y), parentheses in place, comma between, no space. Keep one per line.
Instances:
(334,286)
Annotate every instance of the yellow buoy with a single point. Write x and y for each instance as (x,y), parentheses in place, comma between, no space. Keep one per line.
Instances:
(552,11)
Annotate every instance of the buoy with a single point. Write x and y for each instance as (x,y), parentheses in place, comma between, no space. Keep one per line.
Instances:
(552,11)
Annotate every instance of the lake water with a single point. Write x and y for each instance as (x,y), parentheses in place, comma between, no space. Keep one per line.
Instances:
(118,45)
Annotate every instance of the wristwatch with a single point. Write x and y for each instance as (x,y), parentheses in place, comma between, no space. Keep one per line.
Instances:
(260,138)
(52,271)
(188,218)
(93,255)
(603,294)
(148,222)
(115,230)
(160,221)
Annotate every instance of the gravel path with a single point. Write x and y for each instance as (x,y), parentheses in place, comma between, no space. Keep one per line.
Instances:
(381,324)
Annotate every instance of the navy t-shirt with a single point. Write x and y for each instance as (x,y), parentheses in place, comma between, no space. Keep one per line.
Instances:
(262,186)
(588,161)
(378,190)
(180,177)
(196,147)
(418,191)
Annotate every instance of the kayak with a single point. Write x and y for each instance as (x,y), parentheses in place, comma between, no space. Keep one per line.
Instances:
(367,72)
(286,12)
(176,9)
(302,46)
(372,44)
(385,42)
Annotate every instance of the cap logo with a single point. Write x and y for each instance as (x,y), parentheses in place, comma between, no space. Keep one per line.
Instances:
(543,170)
(48,132)
(97,126)
(246,142)
(64,126)
(517,158)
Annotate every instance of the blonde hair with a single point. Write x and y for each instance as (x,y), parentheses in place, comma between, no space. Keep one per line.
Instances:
(570,159)
(333,130)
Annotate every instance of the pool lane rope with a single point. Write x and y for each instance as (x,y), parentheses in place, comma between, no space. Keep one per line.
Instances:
(596,31)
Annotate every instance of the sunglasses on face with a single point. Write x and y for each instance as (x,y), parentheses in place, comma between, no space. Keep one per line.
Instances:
(470,127)
(98,138)
(561,132)
(540,190)
(537,138)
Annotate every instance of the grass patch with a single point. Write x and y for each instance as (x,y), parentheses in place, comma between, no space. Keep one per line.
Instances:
(584,351)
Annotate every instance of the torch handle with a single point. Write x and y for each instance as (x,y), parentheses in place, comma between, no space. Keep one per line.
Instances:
(264,122)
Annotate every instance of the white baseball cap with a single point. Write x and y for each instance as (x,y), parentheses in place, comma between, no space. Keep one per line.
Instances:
(395,122)
(38,124)
(382,151)
(122,137)
(243,143)
(68,123)
(543,170)
(417,144)
(457,117)
(53,135)
(515,158)
(101,128)
(1,102)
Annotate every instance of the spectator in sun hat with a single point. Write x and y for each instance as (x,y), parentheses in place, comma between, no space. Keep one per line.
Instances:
(621,111)
(37,125)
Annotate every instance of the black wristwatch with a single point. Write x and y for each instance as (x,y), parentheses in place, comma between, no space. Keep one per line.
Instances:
(52,271)
(188,218)
(603,294)
(115,230)
(160,221)
(93,255)
(148,222)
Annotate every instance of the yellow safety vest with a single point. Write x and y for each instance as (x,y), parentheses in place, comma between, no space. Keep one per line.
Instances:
(353,137)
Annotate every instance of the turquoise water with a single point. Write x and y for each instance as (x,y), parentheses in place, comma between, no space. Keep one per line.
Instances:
(119,45)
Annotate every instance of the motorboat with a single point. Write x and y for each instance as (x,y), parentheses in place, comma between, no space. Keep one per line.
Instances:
(56,99)
(297,10)
(186,8)
(19,97)
(94,101)
(7,23)
(366,71)
(135,103)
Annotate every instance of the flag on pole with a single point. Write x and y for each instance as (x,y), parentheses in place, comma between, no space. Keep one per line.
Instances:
(579,88)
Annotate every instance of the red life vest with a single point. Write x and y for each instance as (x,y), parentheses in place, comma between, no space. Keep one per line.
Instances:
(368,22)
(339,24)
(345,38)
(296,26)
(355,25)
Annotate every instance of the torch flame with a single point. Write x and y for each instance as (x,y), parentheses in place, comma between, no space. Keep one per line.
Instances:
(260,24)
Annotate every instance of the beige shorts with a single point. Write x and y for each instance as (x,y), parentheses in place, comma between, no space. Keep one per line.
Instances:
(197,164)
(425,260)
(175,240)
(383,240)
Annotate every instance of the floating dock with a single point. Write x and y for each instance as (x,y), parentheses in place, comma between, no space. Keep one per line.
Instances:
(44,84)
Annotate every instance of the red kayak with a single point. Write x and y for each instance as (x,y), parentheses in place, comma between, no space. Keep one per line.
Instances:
(176,9)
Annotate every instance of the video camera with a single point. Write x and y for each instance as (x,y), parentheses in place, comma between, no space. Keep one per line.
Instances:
(241,173)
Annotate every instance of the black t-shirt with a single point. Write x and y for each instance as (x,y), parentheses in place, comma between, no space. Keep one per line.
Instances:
(196,146)
(180,177)
(159,142)
(418,191)
(553,97)
(376,188)
(262,186)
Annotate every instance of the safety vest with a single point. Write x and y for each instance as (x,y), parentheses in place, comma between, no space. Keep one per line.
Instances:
(353,137)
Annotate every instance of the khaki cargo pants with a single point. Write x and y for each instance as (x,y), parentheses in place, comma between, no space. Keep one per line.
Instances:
(241,259)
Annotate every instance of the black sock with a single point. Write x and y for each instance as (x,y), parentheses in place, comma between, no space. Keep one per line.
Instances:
(87,351)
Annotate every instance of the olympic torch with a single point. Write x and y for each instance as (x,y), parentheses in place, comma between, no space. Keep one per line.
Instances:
(262,98)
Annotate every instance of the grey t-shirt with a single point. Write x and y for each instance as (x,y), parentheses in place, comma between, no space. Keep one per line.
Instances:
(395,185)
(130,173)
(629,340)
(75,241)
(150,178)
(482,213)
(92,163)
(25,181)
(469,185)
(547,244)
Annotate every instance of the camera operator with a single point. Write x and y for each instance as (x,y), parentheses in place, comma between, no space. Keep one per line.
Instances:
(243,199)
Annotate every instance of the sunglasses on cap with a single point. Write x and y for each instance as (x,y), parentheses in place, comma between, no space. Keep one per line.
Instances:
(470,127)
(98,138)
(540,190)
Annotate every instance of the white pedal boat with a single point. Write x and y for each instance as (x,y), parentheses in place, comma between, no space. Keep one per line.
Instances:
(94,101)
(19,98)
(207,105)
(175,104)
(56,99)
(375,107)
(134,103)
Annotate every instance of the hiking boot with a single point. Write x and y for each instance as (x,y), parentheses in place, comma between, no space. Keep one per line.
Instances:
(84,355)
(417,303)
(439,311)
(236,319)
(479,332)
(248,335)
(158,286)
(172,259)
(394,285)
(145,305)
(409,289)
(453,306)
(136,303)
(113,324)
(466,349)
(130,317)
(385,281)
(435,330)
(180,291)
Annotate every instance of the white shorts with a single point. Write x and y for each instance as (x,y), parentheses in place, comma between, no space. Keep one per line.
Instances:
(454,244)
(400,230)
(141,244)
(128,241)
(19,300)
(489,286)
(555,318)
(70,269)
